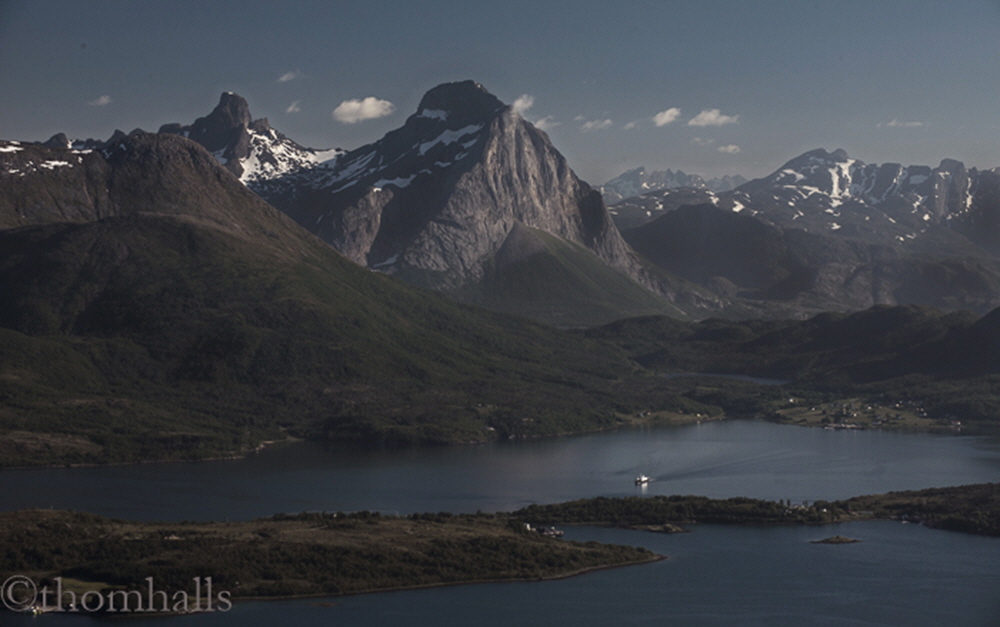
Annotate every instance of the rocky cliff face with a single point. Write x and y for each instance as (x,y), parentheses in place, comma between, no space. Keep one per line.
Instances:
(433,201)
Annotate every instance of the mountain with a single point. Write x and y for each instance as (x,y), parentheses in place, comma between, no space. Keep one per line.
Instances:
(773,271)
(638,181)
(638,210)
(155,308)
(436,200)
(829,192)
(822,191)
(248,148)
(827,232)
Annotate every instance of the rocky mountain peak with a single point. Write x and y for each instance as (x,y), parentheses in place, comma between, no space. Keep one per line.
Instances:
(248,148)
(59,140)
(467,100)
(225,125)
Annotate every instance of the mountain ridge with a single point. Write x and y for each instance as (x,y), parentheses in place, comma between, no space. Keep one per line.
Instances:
(433,201)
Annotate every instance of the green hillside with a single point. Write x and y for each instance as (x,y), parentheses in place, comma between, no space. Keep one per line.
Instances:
(176,329)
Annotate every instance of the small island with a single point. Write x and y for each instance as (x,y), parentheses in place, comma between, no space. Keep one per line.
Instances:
(836,540)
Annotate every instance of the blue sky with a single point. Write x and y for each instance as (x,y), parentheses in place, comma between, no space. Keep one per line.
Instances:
(711,87)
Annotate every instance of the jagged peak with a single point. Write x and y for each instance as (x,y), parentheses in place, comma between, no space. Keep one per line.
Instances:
(59,140)
(224,125)
(232,108)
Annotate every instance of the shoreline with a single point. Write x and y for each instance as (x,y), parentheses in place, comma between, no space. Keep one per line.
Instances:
(221,458)
(656,557)
(777,419)
(447,584)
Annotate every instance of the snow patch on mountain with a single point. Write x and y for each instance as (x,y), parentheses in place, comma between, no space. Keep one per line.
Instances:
(450,137)
(272,156)
(434,114)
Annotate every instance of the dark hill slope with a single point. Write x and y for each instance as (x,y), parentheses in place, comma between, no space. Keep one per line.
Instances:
(946,362)
(183,317)
(780,271)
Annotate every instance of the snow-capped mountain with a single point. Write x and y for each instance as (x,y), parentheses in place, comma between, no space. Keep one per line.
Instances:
(822,191)
(248,148)
(829,232)
(829,192)
(638,181)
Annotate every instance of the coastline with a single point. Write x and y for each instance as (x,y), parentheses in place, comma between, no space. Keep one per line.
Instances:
(629,421)
(219,458)
(448,584)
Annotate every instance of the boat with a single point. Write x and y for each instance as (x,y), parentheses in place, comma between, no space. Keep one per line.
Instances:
(641,480)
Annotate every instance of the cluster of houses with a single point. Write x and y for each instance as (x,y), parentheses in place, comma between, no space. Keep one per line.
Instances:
(550,532)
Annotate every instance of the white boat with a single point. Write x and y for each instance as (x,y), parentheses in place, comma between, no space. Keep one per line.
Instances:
(641,480)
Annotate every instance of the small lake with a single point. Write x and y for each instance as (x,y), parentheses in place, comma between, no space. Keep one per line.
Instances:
(716,575)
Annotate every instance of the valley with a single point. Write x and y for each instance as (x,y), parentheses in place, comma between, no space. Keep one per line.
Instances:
(158,309)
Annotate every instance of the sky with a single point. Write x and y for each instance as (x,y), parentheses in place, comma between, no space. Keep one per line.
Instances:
(710,87)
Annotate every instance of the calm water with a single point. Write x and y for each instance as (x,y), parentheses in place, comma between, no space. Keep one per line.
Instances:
(719,459)
(899,574)
(716,576)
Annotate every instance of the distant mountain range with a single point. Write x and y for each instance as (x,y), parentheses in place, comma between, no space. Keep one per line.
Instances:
(638,181)
(827,232)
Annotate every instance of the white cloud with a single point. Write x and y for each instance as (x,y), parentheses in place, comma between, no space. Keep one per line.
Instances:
(666,117)
(702,141)
(899,124)
(103,101)
(523,103)
(713,117)
(596,125)
(546,123)
(294,107)
(370,108)
(630,126)
(290,76)
(729,149)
